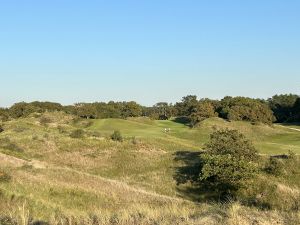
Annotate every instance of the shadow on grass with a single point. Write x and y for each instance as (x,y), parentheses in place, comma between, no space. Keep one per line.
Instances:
(186,175)
(182,120)
(290,124)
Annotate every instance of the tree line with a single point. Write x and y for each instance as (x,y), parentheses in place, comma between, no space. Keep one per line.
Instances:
(191,110)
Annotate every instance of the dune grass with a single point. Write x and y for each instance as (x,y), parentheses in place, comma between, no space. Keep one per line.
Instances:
(55,174)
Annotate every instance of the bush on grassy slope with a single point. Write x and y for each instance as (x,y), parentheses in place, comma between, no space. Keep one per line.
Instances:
(282,165)
(6,143)
(45,120)
(79,133)
(4,177)
(229,162)
(274,166)
(117,136)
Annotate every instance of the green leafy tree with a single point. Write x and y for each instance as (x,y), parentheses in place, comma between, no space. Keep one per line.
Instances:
(131,109)
(187,105)
(47,106)
(229,162)
(246,109)
(202,111)
(282,106)
(22,109)
(112,109)
(160,111)
(85,110)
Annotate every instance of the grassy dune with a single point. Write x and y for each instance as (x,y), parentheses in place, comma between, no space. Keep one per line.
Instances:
(54,176)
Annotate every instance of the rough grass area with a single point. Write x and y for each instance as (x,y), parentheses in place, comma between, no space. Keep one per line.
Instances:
(65,180)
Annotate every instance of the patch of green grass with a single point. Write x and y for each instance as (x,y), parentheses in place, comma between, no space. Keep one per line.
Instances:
(268,139)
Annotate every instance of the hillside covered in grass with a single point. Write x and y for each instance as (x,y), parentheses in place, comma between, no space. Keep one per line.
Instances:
(60,168)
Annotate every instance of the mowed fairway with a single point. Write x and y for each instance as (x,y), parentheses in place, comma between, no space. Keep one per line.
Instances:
(275,139)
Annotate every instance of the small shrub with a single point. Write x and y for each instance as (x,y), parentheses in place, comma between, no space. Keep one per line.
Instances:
(4,177)
(19,129)
(27,167)
(79,133)
(268,193)
(61,129)
(274,166)
(39,222)
(95,134)
(84,123)
(36,115)
(134,140)
(6,220)
(13,147)
(283,165)
(35,138)
(117,136)
(87,123)
(1,129)
(6,143)
(45,120)
(292,163)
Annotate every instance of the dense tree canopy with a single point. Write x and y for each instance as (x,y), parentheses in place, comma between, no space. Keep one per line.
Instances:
(246,109)
(282,106)
(203,110)
(296,111)
(47,106)
(85,110)
(111,109)
(160,111)
(231,108)
(187,105)
(4,114)
(131,109)
(22,109)
(286,108)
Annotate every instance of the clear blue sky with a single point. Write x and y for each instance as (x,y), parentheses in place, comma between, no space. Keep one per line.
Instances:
(148,51)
